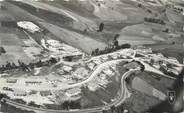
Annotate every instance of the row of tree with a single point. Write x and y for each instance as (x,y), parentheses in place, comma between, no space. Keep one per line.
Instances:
(154,20)
(109,49)
(113,109)
(33,104)
(26,67)
(66,105)
(71,105)
(178,9)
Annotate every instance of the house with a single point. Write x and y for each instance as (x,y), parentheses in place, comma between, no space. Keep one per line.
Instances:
(105,58)
(54,43)
(73,92)
(114,56)
(80,72)
(97,61)
(67,68)
(172,59)
(108,72)
(91,65)
(11,80)
(18,92)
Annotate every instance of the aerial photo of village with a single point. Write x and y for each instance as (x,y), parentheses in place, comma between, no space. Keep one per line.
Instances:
(91,56)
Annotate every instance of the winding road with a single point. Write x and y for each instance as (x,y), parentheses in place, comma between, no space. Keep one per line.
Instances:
(124,93)
(118,101)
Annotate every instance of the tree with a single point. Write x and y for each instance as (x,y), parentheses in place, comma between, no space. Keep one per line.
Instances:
(140,5)
(66,105)
(112,109)
(3,68)
(97,51)
(116,44)
(103,111)
(169,65)
(13,65)
(115,41)
(116,36)
(146,19)
(53,60)
(128,80)
(142,68)
(92,53)
(149,11)
(31,65)
(39,63)
(166,30)
(8,65)
(2,96)
(2,50)
(74,105)
(21,101)
(123,46)
(152,61)
(101,27)
(162,22)
(33,104)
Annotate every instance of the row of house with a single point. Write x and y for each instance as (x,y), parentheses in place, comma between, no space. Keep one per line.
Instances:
(19,92)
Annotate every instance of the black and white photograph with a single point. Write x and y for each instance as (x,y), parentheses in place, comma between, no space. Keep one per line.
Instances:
(91,56)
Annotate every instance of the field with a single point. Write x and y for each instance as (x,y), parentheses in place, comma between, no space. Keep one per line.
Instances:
(14,52)
(175,51)
(135,32)
(139,102)
(142,94)
(158,82)
(14,40)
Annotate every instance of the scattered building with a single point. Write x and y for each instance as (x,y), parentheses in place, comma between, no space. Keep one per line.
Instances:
(73,92)
(18,92)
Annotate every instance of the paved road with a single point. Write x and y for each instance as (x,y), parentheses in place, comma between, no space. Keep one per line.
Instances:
(119,100)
